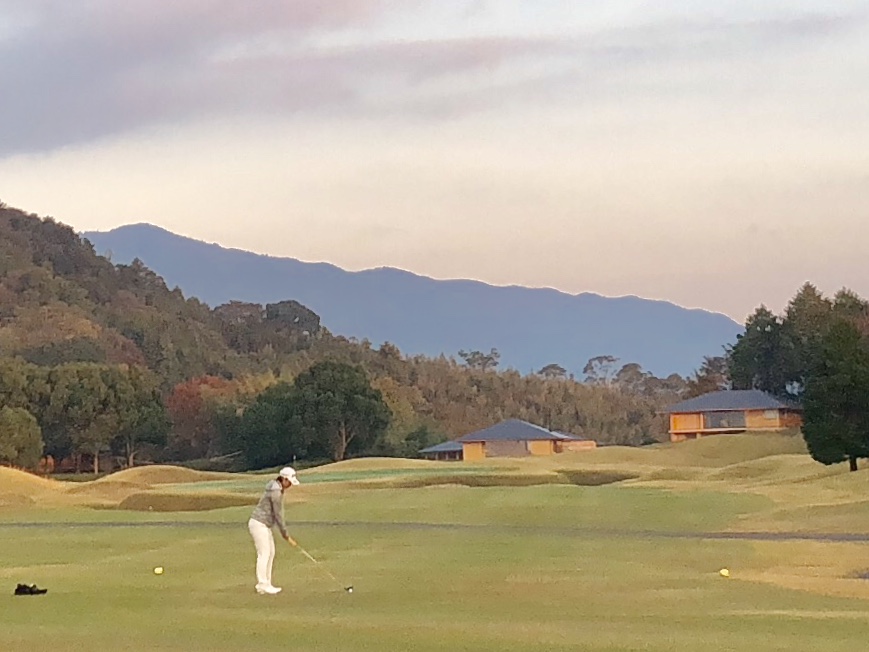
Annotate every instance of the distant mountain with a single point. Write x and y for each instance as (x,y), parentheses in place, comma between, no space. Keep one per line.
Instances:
(530,327)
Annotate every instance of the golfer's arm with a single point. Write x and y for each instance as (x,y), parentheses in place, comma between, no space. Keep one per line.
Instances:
(278,511)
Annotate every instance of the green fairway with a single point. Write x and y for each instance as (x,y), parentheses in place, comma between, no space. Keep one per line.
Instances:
(629,566)
(487,587)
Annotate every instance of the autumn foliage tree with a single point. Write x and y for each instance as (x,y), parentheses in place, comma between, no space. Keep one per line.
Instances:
(480,360)
(191,406)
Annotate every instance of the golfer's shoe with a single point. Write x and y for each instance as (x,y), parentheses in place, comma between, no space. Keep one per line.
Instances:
(263,589)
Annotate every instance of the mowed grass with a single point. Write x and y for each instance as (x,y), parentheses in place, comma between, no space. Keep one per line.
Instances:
(508,575)
(440,565)
(415,590)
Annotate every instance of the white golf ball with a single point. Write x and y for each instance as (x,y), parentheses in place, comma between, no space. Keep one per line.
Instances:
(350,590)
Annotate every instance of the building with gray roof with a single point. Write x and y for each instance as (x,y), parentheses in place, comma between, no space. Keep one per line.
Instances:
(517,438)
(732,411)
(449,451)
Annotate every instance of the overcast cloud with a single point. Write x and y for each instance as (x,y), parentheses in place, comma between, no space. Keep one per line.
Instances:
(404,128)
(77,70)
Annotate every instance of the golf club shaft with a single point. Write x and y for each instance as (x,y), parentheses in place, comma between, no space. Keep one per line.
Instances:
(319,565)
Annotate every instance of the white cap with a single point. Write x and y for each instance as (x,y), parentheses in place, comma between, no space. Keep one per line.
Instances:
(289,473)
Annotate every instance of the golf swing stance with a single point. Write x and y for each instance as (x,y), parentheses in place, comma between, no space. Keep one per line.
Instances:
(268,513)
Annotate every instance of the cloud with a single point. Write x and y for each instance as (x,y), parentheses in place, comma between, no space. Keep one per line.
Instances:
(77,70)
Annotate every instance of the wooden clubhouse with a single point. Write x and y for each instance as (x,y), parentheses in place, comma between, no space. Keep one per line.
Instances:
(732,411)
(511,438)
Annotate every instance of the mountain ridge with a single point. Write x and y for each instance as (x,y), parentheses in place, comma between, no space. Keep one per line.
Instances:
(145,226)
(531,327)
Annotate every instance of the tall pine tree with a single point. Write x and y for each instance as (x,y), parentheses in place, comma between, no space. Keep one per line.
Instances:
(836,399)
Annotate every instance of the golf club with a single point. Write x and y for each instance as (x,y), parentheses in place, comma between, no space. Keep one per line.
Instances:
(348,589)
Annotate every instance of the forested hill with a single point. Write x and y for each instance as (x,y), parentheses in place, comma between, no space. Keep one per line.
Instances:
(71,319)
(530,328)
(60,302)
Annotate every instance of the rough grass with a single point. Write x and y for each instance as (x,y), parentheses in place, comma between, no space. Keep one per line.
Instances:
(10,499)
(774,469)
(724,450)
(717,451)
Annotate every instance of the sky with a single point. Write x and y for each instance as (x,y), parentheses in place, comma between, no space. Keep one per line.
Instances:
(712,154)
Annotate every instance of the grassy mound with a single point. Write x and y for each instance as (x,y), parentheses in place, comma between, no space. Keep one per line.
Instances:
(168,502)
(162,474)
(104,491)
(725,450)
(613,455)
(775,468)
(13,481)
(15,500)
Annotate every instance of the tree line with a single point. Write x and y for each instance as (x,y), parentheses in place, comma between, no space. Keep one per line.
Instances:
(170,379)
(105,361)
(351,400)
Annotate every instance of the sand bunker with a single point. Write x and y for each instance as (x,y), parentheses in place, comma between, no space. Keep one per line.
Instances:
(475,480)
(376,464)
(167,502)
(683,474)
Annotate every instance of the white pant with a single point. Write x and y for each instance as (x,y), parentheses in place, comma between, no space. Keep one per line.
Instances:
(265,551)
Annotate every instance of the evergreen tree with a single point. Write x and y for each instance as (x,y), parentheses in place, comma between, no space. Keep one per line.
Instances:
(339,409)
(20,438)
(763,356)
(836,400)
(269,433)
(712,376)
(807,318)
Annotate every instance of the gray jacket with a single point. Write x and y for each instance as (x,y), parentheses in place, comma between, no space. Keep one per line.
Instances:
(270,508)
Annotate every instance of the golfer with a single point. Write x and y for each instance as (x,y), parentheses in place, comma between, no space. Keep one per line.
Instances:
(268,513)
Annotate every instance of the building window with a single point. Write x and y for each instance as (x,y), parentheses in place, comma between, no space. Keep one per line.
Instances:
(770,415)
(722,420)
